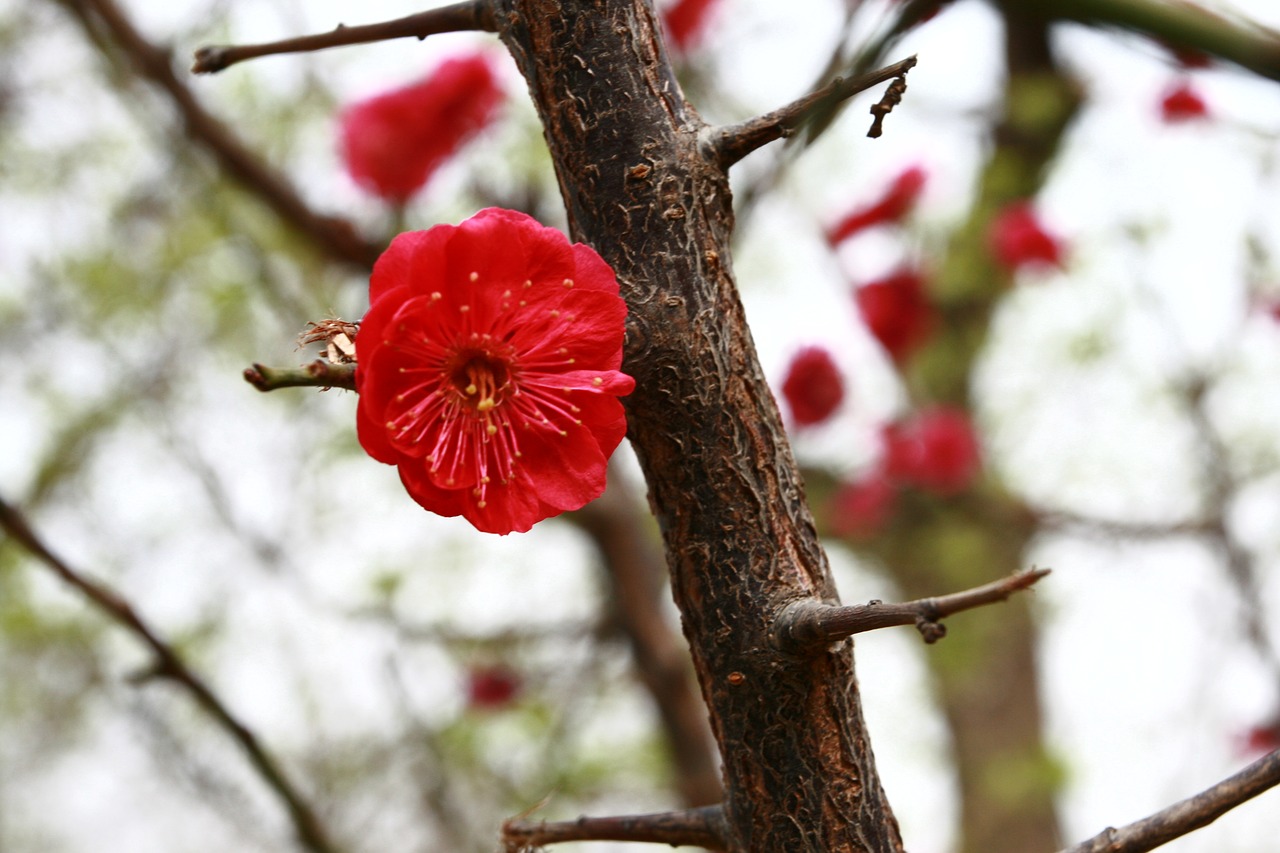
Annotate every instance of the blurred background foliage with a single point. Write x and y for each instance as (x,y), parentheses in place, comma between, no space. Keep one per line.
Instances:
(419,681)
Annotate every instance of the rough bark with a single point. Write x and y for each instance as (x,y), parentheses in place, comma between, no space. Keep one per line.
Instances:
(740,542)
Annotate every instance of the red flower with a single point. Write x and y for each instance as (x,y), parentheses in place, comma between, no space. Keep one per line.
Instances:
(897,312)
(861,508)
(935,449)
(1018,239)
(897,202)
(394,142)
(813,387)
(686,22)
(488,369)
(1182,103)
(492,687)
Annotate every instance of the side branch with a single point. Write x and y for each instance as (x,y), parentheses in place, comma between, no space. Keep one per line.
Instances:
(459,17)
(169,665)
(730,144)
(807,625)
(106,24)
(1189,815)
(317,374)
(703,827)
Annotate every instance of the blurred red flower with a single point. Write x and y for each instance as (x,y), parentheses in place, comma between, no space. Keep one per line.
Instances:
(492,687)
(487,368)
(1018,239)
(686,22)
(898,200)
(861,508)
(935,449)
(813,387)
(392,143)
(1182,103)
(897,312)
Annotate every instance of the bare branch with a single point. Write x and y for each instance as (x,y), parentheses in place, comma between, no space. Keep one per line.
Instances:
(169,665)
(1188,815)
(808,625)
(104,21)
(317,374)
(730,144)
(703,827)
(459,17)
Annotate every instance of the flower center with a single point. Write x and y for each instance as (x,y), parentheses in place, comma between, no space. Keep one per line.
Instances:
(480,380)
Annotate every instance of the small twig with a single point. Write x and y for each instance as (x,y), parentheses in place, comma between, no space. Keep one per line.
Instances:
(107,25)
(1188,815)
(317,374)
(169,665)
(703,827)
(809,625)
(459,17)
(730,144)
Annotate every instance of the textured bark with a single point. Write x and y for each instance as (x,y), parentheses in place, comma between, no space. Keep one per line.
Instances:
(643,191)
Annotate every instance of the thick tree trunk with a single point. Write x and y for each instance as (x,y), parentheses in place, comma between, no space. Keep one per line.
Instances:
(644,192)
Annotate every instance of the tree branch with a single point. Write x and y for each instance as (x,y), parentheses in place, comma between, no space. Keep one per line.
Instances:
(1188,815)
(730,144)
(807,626)
(1256,49)
(459,17)
(703,827)
(332,236)
(635,568)
(317,374)
(168,664)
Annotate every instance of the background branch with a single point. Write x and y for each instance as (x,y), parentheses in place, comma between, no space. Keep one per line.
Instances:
(1253,47)
(107,26)
(1188,815)
(459,17)
(806,626)
(168,664)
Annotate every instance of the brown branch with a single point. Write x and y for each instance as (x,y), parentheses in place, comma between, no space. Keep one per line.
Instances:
(1188,815)
(703,827)
(634,566)
(317,374)
(808,626)
(168,664)
(104,22)
(459,17)
(730,144)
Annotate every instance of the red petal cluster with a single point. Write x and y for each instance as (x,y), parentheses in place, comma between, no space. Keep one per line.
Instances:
(1182,103)
(898,200)
(859,509)
(686,22)
(936,449)
(814,387)
(492,687)
(897,312)
(394,142)
(488,369)
(1018,239)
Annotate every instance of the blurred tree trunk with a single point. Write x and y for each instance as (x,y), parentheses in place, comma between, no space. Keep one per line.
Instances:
(985,674)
